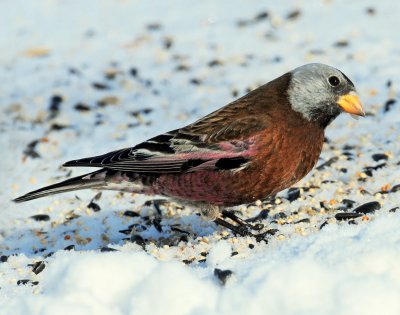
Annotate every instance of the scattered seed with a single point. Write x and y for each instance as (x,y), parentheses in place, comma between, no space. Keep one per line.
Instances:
(58,127)
(168,42)
(81,107)
(3,258)
(395,188)
(138,112)
(368,207)
(27,281)
(54,107)
(94,206)
(323,224)
(215,62)
(107,249)
(188,261)
(389,104)
(371,11)
(40,217)
(347,216)
(110,74)
(182,68)
(132,214)
(394,209)
(222,275)
(38,267)
(341,43)
(293,15)
(251,246)
(108,100)
(306,220)
(195,81)
(293,194)
(379,156)
(153,26)
(49,254)
(261,16)
(30,149)
(100,86)
(134,72)
(70,247)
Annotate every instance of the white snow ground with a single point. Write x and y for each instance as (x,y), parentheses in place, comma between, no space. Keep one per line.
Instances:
(171,62)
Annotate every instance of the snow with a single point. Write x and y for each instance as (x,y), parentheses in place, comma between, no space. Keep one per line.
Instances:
(53,47)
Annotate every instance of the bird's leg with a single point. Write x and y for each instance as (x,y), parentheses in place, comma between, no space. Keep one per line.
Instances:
(210,212)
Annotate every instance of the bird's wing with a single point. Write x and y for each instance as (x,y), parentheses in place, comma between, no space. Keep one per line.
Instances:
(219,141)
(174,153)
(238,120)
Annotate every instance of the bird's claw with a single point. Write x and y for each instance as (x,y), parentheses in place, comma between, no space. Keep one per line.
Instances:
(242,227)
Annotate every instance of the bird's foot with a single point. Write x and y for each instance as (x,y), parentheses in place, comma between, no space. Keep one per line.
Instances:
(242,227)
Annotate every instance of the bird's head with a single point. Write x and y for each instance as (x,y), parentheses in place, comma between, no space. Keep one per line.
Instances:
(320,93)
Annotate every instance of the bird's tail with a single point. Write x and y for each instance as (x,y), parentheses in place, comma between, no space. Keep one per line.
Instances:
(90,180)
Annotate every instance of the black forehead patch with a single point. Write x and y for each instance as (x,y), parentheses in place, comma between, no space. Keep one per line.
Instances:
(347,79)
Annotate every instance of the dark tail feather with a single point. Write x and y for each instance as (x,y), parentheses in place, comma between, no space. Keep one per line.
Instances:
(91,180)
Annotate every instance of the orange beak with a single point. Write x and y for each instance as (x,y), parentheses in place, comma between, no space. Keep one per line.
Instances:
(350,103)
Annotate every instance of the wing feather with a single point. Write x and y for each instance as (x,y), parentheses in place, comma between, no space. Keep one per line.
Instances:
(220,136)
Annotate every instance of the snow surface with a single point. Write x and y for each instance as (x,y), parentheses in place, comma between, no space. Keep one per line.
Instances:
(191,58)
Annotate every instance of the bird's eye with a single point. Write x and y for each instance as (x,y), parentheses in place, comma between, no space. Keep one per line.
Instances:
(334,81)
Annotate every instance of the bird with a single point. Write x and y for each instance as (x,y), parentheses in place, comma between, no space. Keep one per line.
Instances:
(250,149)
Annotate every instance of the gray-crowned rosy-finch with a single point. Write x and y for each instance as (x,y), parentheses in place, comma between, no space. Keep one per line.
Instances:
(252,148)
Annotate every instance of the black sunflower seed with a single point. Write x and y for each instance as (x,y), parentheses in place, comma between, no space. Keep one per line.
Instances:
(107,249)
(347,215)
(306,220)
(94,206)
(368,207)
(379,156)
(388,105)
(293,194)
(38,267)
(132,214)
(70,247)
(27,281)
(40,217)
(222,275)
(395,188)
(82,107)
